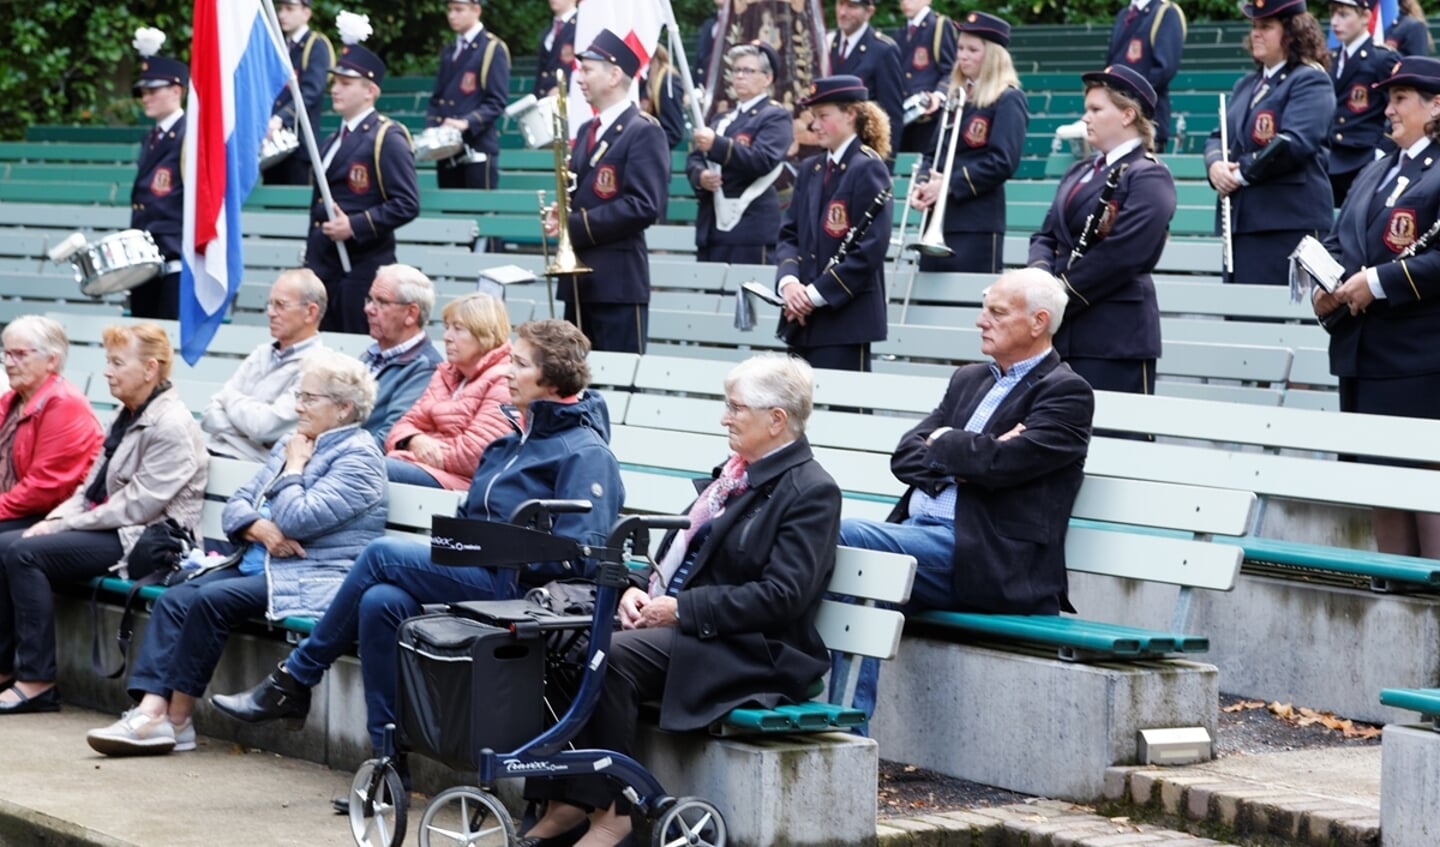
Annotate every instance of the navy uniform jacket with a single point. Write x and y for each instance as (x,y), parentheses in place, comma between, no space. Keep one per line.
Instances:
(928,56)
(876,60)
(157,200)
(1394,336)
(665,98)
(312,58)
(752,145)
(560,56)
(620,187)
(1151,44)
(992,140)
(372,178)
(474,89)
(1359,123)
(1406,36)
(705,49)
(854,290)
(1112,312)
(1013,501)
(1294,193)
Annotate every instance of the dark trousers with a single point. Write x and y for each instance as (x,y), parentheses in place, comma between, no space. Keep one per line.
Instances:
(919,137)
(27,603)
(347,292)
(292,170)
(836,357)
(484,174)
(975,252)
(737,254)
(1263,258)
(1340,185)
(639,659)
(617,327)
(1132,376)
(188,629)
(159,298)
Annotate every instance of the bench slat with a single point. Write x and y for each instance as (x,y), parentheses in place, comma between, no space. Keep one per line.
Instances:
(1378,566)
(860,630)
(1153,558)
(873,574)
(1426,701)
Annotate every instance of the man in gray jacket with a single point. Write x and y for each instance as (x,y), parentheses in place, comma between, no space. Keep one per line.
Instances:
(402,359)
(256,406)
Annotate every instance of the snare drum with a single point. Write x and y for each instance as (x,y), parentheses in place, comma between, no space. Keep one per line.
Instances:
(438,143)
(536,119)
(118,262)
(278,147)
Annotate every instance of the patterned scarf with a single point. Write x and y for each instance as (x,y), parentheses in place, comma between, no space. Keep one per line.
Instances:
(708,506)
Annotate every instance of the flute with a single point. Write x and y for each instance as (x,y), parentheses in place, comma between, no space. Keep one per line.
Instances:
(1227,239)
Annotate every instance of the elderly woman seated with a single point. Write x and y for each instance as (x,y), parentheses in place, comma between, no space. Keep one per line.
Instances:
(439,441)
(556,449)
(152,467)
(48,433)
(301,522)
(728,617)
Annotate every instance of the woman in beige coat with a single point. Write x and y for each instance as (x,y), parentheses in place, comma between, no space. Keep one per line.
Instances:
(153,466)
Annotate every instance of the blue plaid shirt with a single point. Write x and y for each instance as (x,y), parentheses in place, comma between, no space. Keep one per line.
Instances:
(942,505)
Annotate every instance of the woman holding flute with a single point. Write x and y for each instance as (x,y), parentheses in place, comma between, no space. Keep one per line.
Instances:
(1383,316)
(1278,117)
(979,150)
(1104,234)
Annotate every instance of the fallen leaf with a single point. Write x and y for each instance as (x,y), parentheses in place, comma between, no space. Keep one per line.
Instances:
(1283,710)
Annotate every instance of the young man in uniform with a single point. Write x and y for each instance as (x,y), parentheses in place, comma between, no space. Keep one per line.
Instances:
(313,57)
(470,94)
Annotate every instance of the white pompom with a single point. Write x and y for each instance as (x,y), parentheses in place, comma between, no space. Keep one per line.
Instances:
(148,41)
(353,28)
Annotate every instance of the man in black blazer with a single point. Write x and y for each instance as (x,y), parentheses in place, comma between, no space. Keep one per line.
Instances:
(993,471)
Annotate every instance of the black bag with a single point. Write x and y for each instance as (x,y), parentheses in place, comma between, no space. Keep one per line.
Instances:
(154,560)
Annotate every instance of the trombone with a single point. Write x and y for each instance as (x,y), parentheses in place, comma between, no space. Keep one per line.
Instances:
(566,263)
(932,221)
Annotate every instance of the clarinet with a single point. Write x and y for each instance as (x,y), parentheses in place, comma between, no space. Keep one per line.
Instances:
(788,328)
(1097,214)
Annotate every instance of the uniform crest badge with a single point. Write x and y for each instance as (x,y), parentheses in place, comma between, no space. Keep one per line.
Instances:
(1359,99)
(743,139)
(921,59)
(606,185)
(837,219)
(1400,230)
(162,182)
(1107,219)
(567,55)
(1135,52)
(1262,129)
(467,82)
(358,178)
(977,132)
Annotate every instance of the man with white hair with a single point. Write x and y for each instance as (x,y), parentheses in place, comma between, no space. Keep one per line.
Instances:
(993,471)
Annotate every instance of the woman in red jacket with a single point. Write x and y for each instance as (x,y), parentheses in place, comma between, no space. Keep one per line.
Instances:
(48,434)
(439,441)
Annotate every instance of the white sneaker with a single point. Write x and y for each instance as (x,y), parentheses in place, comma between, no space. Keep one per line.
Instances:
(135,734)
(184,736)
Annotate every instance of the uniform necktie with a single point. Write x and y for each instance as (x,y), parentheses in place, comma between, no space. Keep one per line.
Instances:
(1390,176)
(330,156)
(460,48)
(910,34)
(1075,189)
(844,42)
(555,32)
(829,171)
(1131,13)
(155,136)
(590,137)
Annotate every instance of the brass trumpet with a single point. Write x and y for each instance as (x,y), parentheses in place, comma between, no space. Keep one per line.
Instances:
(932,222)
(565,261)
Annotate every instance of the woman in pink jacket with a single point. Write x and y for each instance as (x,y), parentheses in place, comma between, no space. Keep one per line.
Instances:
(48,434)
(439,441)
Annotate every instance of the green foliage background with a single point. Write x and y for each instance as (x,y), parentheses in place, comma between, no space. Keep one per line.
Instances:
(72,62)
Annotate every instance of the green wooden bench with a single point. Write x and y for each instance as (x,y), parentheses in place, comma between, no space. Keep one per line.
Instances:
(1426,701)
(79,193)
(30,151)
(130,134)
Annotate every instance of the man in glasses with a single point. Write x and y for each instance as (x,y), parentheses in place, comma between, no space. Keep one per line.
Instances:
(257,403)
(402,359)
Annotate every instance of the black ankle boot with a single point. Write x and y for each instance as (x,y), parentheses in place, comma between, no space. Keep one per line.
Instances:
(279,696)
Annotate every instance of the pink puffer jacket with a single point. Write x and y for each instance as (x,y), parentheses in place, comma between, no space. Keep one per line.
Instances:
(465,422)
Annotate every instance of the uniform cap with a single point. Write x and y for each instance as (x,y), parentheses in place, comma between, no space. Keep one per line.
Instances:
(986,26)
(609,47)
(836,89)
(1126,80)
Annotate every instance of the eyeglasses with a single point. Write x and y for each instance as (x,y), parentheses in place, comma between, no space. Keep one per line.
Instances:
(382,302)
(742,71)
(280,305)
(306,398)
(14,357)
(733,408)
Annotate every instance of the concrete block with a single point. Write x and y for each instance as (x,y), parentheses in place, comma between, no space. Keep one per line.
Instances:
(1142,787)
(801,790)
(1117,782)
(1410,786)
(991,715)
(1258,631)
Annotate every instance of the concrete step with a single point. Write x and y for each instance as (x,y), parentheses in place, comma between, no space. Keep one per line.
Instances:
(1039,823)
(1326,797)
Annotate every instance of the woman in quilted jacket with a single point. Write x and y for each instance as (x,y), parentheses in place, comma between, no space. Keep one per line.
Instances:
(439,441)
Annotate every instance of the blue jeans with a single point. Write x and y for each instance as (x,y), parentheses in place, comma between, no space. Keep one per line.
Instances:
(390,581)
(409,473)
(932,543)
(188,628)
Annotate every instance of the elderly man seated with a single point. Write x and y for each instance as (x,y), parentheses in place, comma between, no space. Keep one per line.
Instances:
(992,472)
(256,406)
(402,359)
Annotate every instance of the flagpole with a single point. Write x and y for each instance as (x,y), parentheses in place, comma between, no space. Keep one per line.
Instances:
(302,124)
(677,54)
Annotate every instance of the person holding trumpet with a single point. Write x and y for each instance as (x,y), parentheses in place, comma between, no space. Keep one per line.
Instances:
(982,149)
(1383,316)
(1277,120)
(735,162)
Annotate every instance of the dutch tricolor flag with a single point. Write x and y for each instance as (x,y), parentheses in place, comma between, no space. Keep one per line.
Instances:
(237,66)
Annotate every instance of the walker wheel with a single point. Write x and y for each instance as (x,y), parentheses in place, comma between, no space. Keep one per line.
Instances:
(465,815)
(378,803)
(690,822)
